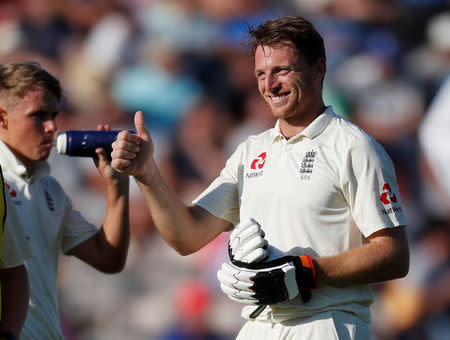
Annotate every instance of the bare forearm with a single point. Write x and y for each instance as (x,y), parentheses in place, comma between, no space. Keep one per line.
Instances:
(116,226)
(186,229)
(383,258)
(14,297)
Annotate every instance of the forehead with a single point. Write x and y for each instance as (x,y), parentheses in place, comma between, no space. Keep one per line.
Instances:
(272,56)
(38,97)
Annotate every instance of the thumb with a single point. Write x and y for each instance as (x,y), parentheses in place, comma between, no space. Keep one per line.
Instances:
(101,156)
(139,123)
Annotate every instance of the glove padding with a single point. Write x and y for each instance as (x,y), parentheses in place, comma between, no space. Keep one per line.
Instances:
(247,243)
(267,283)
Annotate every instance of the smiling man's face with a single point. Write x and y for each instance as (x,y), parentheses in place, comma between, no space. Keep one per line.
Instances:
(287,83)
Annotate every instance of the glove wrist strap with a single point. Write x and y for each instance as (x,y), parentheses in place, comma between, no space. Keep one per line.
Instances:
(306,273)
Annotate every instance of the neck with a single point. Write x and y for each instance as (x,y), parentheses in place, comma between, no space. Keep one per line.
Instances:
(27,163)
(292,127)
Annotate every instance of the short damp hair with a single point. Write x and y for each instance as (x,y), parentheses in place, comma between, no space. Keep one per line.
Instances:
(17,78)
(289,31)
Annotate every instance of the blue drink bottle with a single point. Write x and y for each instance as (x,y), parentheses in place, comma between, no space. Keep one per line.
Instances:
(82,143)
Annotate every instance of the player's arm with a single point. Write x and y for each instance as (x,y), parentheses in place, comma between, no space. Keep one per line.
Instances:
(107,250)
(186,229)
(385,256)
(14,299)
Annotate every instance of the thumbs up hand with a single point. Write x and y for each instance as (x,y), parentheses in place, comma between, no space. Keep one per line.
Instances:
(133,153)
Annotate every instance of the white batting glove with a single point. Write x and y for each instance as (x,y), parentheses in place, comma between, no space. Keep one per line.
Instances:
(247,243)
(239,284)
(267,283)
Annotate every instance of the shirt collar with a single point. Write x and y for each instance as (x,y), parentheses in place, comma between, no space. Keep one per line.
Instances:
(11,162)
(312,130)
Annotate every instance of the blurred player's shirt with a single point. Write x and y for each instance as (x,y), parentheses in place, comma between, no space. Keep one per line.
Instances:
(14,243)
(15,247)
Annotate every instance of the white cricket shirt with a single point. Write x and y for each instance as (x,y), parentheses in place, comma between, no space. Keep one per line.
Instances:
(317,193)
(14,245)
(47,215)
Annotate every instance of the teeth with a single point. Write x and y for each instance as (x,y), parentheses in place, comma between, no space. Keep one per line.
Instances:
(276,97)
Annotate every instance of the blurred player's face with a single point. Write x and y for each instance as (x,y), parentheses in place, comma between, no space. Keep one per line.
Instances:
(290,87)
(29,126)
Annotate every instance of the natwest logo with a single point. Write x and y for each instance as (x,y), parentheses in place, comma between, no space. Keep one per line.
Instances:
(11,191)
(259,161)
(388,196)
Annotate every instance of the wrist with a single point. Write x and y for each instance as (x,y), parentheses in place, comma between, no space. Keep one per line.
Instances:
(119,185)
(149,177)
(306,273)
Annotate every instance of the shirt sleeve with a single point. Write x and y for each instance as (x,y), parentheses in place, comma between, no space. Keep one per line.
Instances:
(76,228)
(14,245)
(221,198)
(370,187)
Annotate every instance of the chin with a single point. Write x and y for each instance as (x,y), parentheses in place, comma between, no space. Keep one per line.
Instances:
(281,114)
(42,157)
(278,111)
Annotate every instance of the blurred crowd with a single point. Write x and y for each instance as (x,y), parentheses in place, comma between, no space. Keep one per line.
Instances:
(185,64)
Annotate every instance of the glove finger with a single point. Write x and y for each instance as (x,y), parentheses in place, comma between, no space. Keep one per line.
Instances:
(230,290)
(241,250)
(247,295)
(255,256)
(233,283)
(239,235)
(250,232)
(247,232)
(227,274)
(245,301)
(232,280)
(248,247)
(246,223)
(241,294)
(226,277)
(237,273)
(246,228)
(241,227)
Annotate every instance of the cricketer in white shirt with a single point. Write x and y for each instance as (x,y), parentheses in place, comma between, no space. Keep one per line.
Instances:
(52,225)
(318,193)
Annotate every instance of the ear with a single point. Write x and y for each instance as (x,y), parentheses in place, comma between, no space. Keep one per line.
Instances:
(320,69)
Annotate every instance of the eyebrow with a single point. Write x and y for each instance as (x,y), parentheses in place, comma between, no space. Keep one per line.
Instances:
(279,67)
(42,111)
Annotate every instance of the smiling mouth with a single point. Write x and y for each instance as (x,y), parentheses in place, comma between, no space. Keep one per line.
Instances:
(279,99)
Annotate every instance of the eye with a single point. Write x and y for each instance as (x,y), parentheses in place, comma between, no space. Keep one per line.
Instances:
(44,115)
(284,71)
(37,114)
(260,76)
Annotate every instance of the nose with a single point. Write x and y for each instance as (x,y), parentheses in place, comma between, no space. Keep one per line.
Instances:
(50,126)
(271,83)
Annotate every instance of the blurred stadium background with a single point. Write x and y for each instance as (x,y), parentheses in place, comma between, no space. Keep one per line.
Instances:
(184,63)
